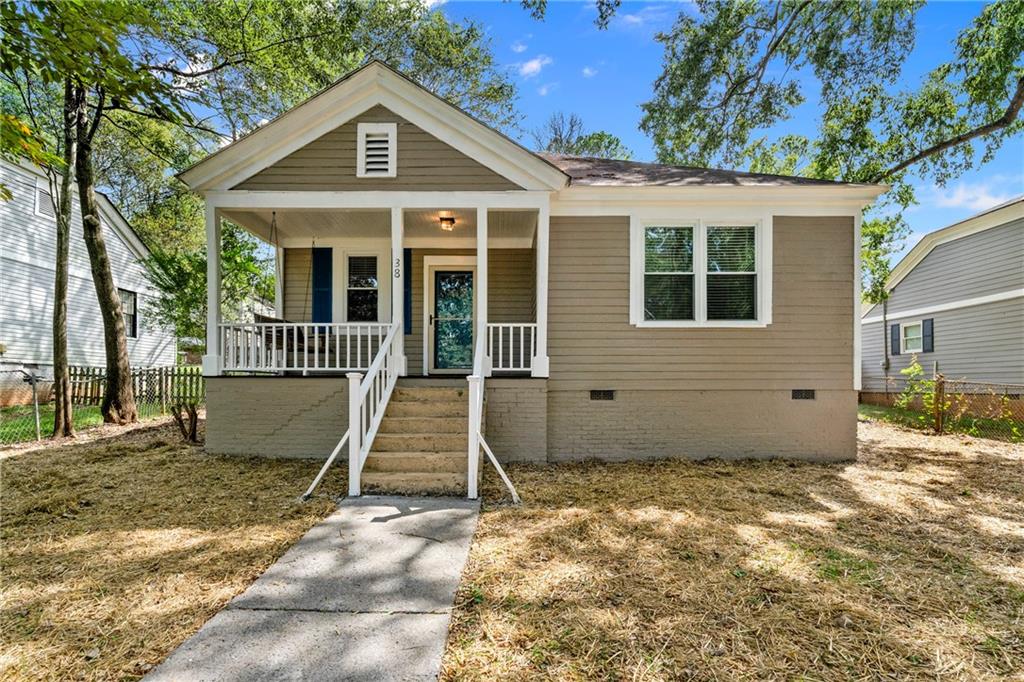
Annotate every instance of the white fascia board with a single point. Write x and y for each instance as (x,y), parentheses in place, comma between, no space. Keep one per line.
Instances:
(806,201)
(986,221)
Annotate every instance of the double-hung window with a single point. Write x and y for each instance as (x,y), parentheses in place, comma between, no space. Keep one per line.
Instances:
(362,292)
(699,273)
(130,312)
(912,338)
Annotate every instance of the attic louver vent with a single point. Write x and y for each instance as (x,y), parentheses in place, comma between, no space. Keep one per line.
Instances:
(376,150)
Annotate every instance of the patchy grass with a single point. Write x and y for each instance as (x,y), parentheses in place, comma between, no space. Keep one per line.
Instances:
(1008,430)
(906,564)
(116,550)
(18,422)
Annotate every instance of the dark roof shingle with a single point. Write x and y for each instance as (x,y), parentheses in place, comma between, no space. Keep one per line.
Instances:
(585,170)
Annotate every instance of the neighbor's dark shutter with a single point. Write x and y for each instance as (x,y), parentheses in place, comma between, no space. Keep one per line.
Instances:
(407,289)
(927,336)
(322,276)
(894,337)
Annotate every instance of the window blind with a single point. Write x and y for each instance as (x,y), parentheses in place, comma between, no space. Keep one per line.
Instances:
(732,273)
(668,273)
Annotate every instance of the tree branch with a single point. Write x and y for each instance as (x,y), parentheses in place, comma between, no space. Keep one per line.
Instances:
(1008,117)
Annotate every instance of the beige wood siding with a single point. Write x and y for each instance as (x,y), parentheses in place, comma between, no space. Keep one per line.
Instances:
(510,284)
(298,267)
(809,345)
(424,163)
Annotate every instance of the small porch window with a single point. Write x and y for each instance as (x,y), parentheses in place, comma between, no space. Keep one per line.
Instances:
(362,295)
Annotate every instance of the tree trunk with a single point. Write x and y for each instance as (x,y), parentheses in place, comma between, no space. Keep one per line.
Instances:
(60,190)
(118,404)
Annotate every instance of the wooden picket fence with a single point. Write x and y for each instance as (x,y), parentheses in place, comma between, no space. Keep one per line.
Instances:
(162,386)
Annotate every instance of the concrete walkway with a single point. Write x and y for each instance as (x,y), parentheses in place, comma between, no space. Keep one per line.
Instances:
(365,595)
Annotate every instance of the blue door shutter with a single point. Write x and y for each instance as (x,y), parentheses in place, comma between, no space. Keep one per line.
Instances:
(894,336)
(322,281)
(927,336)
(407,289)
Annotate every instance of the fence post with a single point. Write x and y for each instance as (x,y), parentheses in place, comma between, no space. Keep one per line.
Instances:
(355,433)
(33,379)
(938,402)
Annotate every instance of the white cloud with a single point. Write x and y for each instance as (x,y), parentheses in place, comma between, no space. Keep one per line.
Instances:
(977,196)
(546,88)
(518,46)
(652,14)
(589,72)
(435,3)
(532,67)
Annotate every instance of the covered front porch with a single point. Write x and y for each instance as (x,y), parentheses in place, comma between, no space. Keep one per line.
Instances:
(442,271)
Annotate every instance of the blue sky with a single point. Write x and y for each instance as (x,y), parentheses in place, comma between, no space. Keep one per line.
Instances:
(565,63)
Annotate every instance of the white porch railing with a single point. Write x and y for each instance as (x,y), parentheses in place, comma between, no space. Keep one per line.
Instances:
(476,436)
(300,346)
(511,346)
(367,400)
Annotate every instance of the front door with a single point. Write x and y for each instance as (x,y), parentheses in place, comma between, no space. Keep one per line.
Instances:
(452,321)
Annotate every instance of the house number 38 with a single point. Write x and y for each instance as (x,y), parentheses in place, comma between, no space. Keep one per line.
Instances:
(398,268)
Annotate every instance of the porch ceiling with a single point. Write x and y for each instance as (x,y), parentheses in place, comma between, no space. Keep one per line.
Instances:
(419,224)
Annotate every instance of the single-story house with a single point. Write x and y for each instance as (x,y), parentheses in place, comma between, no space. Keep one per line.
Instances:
(956,304)
(28,242)
(606,309)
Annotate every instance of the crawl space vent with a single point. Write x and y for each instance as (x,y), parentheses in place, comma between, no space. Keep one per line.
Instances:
(604,394)
(803,394)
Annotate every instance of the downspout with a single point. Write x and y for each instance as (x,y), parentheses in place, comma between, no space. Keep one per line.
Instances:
(885,345)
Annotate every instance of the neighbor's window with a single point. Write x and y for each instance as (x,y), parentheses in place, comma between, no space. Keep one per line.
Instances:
(362,292)
(699,274)
(129,308)
(668,273)
(732,273)
(912,338)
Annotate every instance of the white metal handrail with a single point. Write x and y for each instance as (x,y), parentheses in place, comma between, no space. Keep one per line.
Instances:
(511,346)
(368,398)
(300,346)
(476,436)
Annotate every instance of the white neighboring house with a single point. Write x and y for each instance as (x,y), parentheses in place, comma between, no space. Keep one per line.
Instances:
(28,239)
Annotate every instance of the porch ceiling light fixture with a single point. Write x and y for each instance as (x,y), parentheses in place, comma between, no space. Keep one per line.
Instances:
(447,221)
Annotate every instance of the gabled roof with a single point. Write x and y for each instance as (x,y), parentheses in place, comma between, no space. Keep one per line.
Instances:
(370,85)
(593,171)
(979,222)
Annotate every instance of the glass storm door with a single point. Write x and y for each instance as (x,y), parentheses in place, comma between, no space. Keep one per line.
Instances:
(453,320)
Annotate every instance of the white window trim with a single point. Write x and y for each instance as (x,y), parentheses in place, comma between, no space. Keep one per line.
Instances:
(138,318)
(45,187)
(362,129)
(763,265)
(345,287)
(903,338)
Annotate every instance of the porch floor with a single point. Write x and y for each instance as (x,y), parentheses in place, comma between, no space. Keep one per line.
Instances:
(365,595)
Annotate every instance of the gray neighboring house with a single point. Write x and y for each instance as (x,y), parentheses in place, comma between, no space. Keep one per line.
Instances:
(28,238)
(955,300)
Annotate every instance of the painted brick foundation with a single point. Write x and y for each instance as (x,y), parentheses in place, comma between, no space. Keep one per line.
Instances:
(275,416)
(517,419)
(702,424)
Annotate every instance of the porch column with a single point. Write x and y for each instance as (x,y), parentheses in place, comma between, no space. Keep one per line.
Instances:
(398,285)
(539,368)
(481,281)
(211,360)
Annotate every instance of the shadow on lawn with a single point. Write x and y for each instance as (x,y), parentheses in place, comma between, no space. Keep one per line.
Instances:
(117,549)
(908,563)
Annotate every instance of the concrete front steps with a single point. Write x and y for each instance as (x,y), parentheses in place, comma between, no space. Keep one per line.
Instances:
(421,445)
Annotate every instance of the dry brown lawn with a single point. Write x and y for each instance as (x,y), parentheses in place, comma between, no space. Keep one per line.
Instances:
(907,564)
(117,549)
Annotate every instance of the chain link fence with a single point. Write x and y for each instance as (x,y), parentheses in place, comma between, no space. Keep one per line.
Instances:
(943,405)
(156,389)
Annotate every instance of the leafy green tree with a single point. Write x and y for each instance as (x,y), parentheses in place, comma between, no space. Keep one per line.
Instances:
(566,134)
(739,68)
(180,278)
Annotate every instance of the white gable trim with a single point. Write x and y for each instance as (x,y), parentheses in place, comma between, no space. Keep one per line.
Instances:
(374,84)
(973,225)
